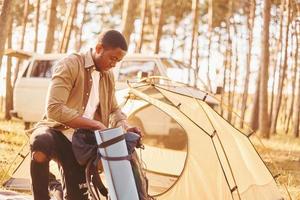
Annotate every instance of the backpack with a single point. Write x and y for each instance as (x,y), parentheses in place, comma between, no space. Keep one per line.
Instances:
(85,148)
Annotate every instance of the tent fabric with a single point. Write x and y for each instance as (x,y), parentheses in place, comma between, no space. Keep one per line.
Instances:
(11,195)
(216,161)
(219,159)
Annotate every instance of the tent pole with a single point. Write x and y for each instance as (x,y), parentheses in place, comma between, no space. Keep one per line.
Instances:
(212,140)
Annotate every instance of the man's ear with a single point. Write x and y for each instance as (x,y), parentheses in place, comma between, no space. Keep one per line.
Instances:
(99,48)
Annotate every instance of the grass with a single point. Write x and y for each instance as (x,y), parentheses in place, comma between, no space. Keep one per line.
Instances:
(281,154)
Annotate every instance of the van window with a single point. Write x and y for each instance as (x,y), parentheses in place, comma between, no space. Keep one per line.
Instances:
(42,68)
(137,69)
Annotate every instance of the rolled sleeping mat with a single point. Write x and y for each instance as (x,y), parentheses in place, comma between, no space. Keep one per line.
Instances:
(116,165)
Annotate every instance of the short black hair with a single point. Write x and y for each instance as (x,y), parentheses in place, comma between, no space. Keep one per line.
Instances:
(113,39)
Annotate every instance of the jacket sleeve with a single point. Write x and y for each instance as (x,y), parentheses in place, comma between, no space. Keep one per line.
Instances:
(117,117)
(59,90)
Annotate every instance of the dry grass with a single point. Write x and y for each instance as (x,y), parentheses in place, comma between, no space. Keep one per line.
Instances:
(12,139)
(280,153)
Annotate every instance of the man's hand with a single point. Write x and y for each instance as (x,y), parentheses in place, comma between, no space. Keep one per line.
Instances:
(81,122)
(98,125)
(135,130)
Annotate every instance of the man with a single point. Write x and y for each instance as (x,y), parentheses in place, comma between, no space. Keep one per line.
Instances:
(81,95)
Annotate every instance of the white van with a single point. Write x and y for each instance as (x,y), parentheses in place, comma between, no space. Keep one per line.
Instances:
(31,86)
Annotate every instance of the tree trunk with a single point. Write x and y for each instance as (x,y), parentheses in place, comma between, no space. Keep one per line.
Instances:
(128,17)
(197,68)
(194,28)
(194,35)
(210,27)
(5,14)
(68,26)
(174,35)
(294,79)
(296,115)
(225,64)
(233,98)
(9,88)
(159,25)
(51,23)
(36,22)
(296,110)
(229,114)
(250,25)
(24,23)
(276,62)
(229,58)
(143,21)
(79,40)
(283,75)
(264,128)
(255,109)
(184,39)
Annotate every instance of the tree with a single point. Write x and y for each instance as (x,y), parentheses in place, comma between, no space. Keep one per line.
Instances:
(159,25)
(296,112)
(195,27)
(233,98)
(128,17)
(79,35)
(8,84)
(194,37)
(255,108)
(51,23)
(229,70)
(264,128)
(68,26)
(294,79)
(4,23)
(277,62)
(143,21)
(210,28)
(36,30)
(282,76)
(250,25)
(24,24)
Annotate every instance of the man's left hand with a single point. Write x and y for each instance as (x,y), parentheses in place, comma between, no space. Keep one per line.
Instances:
(135,130)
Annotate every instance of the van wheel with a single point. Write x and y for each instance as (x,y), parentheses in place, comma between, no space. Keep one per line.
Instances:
(27,125)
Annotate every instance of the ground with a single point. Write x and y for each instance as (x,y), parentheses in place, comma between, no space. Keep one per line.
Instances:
(281,153)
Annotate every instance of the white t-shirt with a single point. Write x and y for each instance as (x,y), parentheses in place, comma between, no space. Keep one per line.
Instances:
(92,104)
(93,101)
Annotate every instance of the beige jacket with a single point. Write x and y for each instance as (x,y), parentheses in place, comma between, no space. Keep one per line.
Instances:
(69,92)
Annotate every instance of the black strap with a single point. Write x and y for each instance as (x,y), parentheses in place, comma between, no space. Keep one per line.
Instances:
(117,158)
(111,141)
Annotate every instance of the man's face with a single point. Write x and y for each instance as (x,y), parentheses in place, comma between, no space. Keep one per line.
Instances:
(106,58)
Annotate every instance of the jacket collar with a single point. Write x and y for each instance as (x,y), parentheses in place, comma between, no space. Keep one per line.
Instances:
(88,59)
(89,62)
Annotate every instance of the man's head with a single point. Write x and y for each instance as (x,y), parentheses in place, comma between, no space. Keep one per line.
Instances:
(110,49)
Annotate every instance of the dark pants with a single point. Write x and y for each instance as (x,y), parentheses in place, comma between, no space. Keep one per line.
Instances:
(57,147)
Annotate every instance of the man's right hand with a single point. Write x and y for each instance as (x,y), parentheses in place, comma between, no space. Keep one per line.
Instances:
(81,122)
(98,125)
